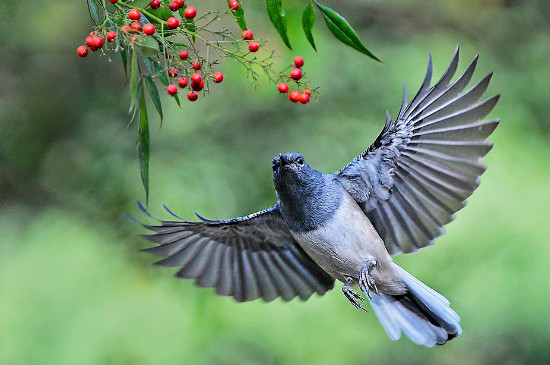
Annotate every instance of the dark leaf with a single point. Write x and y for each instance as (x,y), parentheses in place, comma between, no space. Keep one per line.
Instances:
(154,93)
(135,108)
(134,79)
(96,11)
(163,13)
(143,145)
(343,31)
(308,19)
(147,46)
(189,23)
(239,16)
(278,18)
(124,57)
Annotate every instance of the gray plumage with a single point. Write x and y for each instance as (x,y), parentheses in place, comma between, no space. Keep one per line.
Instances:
(396,196)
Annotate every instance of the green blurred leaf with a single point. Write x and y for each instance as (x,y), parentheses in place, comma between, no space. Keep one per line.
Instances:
(308,20)
(343,31)
(141,3)
(147,46)
(96,11)
(278,18)
(154,93)
(239,16)
(143,145)
(134,79)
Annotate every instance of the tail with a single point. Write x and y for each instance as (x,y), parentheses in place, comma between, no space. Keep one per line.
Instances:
(422,314)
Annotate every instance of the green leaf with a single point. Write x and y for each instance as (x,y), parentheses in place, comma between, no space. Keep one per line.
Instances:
(154,93)
(163,13)
(143,145)
(134,79)
(239,16)
(343,31)
(96,11)
(124,57)
(147,46)
(135,108)
(278,18)
(308,19)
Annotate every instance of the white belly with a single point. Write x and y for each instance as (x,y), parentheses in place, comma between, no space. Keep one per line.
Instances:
(344,243)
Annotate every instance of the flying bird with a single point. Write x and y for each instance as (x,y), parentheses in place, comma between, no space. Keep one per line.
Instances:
(397,196)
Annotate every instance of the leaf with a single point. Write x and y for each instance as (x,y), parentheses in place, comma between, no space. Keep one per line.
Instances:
(343,31)
(147,46)
(96,11)
(154,93)
(124,57)
(189,23)
(278,18)
(135,108)
(239,16)
(134,79)
(308,19)
(143,145)
(162,13)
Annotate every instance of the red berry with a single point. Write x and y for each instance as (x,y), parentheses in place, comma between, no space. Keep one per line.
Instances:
(172,72)
(172,89)
(304,98)
(197,86)
(82,51)
(125,28)
(134,38)
(190,12)
(192,96)
(196,78)
(111,36)
(196,65)
(294,96)
(296,74)
(173,22)
(184,54)
(155,4)
(97,42)
(89,40)
(248,35)
(283,88)
(182,82)
(134,14)
(181,3)
(307,91)
(113,1)
(136,26)
(299,61)
(173,6)
(218,77)
(234,5)
(253,47)
(149,29)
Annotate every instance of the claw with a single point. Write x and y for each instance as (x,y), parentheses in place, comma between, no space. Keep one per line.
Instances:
(352,296)
(366,281)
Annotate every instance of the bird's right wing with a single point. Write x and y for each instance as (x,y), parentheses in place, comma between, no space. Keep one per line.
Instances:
(426,163)
(247,257)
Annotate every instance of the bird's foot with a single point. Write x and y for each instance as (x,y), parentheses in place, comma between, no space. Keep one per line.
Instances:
(352,296)
(366,281)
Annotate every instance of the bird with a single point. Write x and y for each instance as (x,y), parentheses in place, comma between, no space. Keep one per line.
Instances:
(395,197)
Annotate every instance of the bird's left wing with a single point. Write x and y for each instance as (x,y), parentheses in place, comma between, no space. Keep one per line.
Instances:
(247,257)
(424,165)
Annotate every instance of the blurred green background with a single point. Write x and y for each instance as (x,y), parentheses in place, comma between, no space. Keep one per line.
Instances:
(73,288)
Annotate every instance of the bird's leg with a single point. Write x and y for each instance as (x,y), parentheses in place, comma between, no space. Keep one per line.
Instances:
(352,296)
(366,281)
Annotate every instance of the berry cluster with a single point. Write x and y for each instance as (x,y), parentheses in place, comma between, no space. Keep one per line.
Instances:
(168,41)
(296,75)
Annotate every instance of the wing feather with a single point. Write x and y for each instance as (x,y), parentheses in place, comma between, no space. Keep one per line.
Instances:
(424,165)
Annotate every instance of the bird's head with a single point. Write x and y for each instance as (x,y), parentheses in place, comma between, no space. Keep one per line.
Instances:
(289,168)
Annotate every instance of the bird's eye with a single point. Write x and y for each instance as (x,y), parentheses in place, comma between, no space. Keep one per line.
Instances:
(300,161)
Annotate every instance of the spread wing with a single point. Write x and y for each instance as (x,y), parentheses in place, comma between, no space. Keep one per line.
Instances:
(424,165)
(247,258)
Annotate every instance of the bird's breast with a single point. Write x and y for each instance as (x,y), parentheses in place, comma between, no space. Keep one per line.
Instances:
(342,244)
